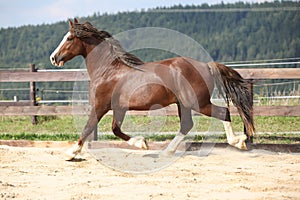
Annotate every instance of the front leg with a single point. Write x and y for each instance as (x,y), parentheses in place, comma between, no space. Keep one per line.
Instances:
(92,122)
(72,152)
(118,117)
(139,142)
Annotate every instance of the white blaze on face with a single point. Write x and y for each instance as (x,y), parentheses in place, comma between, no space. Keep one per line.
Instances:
(52,58)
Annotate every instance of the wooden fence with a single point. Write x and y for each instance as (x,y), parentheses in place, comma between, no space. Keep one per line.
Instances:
(32,109)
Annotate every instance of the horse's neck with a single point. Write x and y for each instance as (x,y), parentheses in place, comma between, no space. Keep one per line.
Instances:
(102,63)
(99,61)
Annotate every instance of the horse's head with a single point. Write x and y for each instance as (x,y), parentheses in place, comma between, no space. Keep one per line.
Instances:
(69,47)
(82,39)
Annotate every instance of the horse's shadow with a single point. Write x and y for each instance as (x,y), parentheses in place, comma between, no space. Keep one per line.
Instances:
(159,155)
(151,155)
(77,160)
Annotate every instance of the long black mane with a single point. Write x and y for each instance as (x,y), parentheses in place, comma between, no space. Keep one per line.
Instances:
(86,30)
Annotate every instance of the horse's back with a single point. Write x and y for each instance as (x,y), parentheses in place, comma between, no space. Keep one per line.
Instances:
(192,79)
(195,72)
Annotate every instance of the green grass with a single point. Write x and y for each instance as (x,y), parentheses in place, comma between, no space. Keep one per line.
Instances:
(40,137)
(47,125)
(277,138)
(68,128)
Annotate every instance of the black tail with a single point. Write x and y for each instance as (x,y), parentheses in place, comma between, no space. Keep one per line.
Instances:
(233,87)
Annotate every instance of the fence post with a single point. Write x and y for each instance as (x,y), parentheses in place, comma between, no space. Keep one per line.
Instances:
(250,88)
(33,94)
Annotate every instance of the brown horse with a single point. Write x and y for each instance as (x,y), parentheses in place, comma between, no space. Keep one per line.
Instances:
(120,81)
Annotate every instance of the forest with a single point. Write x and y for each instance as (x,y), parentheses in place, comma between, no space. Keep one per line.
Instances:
(228,32)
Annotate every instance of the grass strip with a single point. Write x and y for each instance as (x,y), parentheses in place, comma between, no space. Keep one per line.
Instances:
(258,139)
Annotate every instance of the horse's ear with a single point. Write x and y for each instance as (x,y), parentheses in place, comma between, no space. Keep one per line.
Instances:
(75,20)
(70,23)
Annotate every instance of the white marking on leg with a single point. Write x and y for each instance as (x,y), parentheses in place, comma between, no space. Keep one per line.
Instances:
(58,48)
(229,131)
(171,149)
(138,142)
(234,140)
(72,152)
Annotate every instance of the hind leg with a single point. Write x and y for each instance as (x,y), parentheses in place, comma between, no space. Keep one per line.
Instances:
(186,124)
(233,139)
(118,117)
(222,113)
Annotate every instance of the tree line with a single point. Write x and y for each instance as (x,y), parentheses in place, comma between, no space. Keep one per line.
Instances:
(272,32)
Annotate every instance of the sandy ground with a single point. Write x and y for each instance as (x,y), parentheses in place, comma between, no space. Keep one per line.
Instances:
(42,173)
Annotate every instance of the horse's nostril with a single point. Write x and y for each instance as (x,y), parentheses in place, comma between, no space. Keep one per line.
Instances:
(52,58)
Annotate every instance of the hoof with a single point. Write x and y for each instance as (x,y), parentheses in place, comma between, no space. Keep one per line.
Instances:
(69,155)
(72,152)
(138,142)
(242,146)
(239,142)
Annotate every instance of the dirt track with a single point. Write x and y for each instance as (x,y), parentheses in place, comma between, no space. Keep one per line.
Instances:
(42,173)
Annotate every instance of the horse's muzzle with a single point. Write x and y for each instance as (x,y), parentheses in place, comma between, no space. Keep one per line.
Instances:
(57,60)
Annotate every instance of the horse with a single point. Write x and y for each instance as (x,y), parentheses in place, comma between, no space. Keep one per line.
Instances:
(120,81)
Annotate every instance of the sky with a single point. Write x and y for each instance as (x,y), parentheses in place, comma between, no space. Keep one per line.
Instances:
(16,13)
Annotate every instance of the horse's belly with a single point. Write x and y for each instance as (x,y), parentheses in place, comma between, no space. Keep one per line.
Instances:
(146,97)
